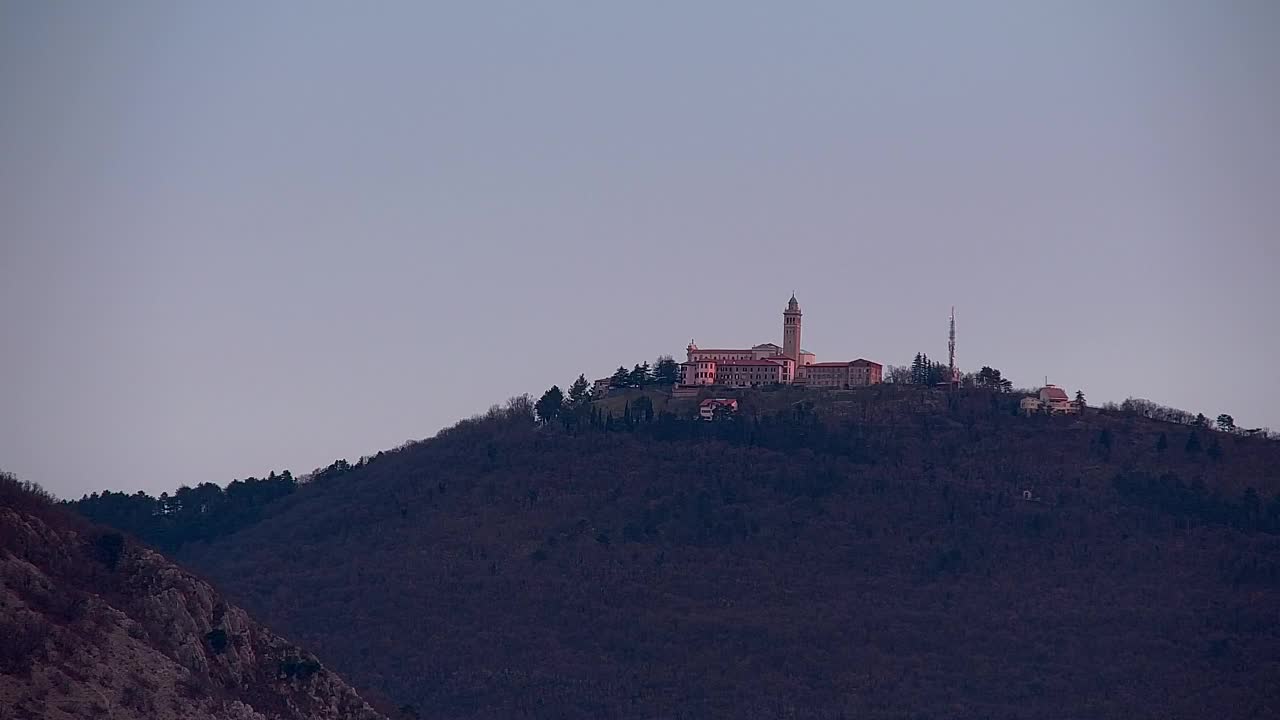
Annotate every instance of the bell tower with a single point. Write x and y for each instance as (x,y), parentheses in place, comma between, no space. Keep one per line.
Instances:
(791,331)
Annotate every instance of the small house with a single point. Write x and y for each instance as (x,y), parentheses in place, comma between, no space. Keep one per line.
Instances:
(707,408)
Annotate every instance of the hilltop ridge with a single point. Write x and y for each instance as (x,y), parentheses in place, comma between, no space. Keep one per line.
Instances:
(880,553)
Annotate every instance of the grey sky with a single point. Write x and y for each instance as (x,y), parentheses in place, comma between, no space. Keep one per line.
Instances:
(245,236)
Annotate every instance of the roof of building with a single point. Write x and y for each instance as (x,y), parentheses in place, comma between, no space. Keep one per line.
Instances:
(718,401)
(851,363)
(766,345)
(1054,392)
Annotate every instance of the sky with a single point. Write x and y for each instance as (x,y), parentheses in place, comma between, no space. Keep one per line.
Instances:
(239,237)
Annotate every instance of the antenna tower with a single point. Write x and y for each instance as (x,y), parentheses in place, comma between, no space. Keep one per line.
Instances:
(951,350)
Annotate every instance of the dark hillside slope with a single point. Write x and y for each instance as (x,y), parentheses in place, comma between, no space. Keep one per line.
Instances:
(95,626)
(868,561)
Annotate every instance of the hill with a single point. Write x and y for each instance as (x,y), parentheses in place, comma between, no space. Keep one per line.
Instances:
(94,626)
(884,553)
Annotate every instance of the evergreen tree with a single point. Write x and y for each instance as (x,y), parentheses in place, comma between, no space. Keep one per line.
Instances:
(1226,423)
(620,378)
(989,377)
(550,404)
(640,376)
(579,391)
(1080,399)
(642,410)
(1193,443)
(1162,443)
(918,370)
(666,371)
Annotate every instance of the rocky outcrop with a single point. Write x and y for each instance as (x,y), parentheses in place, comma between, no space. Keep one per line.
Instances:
(93,626)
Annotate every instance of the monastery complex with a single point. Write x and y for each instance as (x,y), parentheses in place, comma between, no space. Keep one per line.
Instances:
(769,363)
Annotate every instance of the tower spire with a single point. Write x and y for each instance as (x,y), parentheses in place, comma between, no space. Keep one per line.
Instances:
(951,350)
(791,330)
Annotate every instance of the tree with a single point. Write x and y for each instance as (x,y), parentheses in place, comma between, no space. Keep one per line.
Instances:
(1215,450)
(579,391)
(918,371)
(989,377)
(722,412)
(666,371)
(620,379)
(1201,420)
(640,375)
(1226,423)
(642,409)
(1080,399)
(549,405)
(1193,443)
(1162,443)
(935,373)
(897,374)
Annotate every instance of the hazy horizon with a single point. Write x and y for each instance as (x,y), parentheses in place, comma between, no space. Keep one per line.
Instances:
(243,237)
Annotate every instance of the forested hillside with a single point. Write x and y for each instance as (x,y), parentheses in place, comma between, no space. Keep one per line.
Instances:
(885,553)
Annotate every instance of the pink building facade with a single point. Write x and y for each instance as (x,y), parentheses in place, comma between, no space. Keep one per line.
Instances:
(855,373)
(768,363)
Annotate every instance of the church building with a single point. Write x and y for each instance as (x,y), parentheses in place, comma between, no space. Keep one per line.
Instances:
(768,363)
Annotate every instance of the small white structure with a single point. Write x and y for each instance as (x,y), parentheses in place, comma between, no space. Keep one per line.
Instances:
(707,408)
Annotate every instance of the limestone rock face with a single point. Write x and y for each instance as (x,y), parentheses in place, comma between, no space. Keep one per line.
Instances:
(93,626)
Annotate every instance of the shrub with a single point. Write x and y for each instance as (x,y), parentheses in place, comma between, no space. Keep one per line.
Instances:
(217,639)
(108,548)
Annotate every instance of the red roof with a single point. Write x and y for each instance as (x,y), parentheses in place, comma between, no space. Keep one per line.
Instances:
(1055,393)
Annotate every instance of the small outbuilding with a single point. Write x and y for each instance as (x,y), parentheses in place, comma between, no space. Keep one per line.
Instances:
(707,408)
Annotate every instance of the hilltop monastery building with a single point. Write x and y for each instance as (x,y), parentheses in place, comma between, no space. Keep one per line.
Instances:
(768,363)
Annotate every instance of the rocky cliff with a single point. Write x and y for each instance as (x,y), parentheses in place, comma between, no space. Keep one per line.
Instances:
(94,626)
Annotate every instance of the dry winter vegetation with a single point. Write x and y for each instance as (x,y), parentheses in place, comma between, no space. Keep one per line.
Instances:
(868,554)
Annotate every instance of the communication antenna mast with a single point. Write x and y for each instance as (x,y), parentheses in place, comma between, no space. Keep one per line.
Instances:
(951,350)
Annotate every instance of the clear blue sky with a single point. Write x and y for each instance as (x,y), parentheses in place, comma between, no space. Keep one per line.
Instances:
(245,236)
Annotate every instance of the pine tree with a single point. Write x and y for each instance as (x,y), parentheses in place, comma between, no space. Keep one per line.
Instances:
(1193,443)
(640,375)
(666,371)
(620,378)
(579,391)
(550,404)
